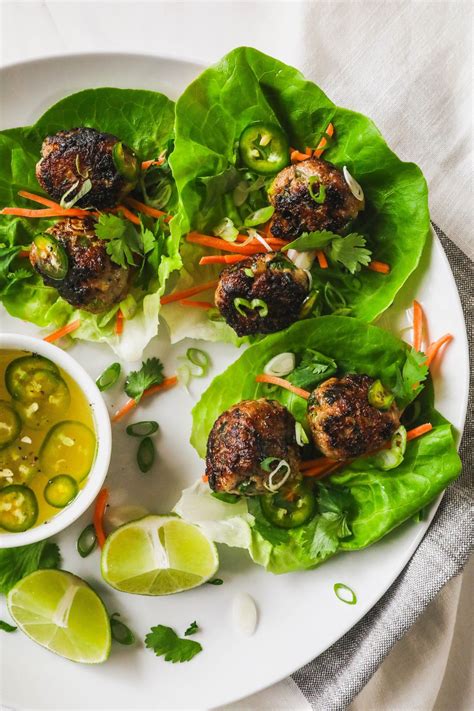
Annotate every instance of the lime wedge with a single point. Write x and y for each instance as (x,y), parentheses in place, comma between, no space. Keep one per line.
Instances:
(158,555)
(62,613)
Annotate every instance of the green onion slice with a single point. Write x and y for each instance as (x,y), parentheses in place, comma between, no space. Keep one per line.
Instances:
(345,594)
(87,541)
(300,434)
(320,196)
(259,217)
(215,581)
(146,454)
(142,429)
(120,632)
(85,188)
(259,305)
(249,272)
(109,377)
(379,397)
(226,498)
(226,230)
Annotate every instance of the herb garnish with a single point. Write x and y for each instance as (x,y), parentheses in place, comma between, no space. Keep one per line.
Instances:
(5,627)
(410,378)
(16,563)
(151,373)
(123,240)
(165,643)
(192,629)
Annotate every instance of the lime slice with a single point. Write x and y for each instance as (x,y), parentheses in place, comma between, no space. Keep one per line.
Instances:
(62,613)
(158,555)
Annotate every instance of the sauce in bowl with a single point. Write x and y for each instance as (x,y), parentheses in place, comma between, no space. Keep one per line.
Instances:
(47,440)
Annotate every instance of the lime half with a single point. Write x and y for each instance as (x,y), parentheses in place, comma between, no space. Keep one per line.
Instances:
(62,613)
(158,555)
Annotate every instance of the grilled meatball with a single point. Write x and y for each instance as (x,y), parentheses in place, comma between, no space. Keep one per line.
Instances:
(275,280)
(343,423)
(242,438)
(69,158)
(93,282)
(296,211)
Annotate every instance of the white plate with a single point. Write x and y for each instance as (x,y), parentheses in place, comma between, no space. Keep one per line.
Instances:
(299,615)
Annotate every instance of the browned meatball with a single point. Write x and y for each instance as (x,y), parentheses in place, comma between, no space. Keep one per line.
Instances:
(343,423)
(69,158)
(242,438)
(271,278)
(93,282)
(295,209)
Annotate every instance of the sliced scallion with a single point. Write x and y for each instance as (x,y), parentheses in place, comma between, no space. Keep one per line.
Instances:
(300,434)
(226,498)
(259,217)
(215,581)
(241,304)
(345,594)
(142,429)
(109,377)
(120,632)
(320,196)
(87,541)
(146,454)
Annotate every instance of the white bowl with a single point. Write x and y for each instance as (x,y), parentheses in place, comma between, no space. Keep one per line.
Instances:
(96,477)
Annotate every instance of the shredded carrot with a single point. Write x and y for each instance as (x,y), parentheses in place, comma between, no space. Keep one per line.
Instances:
(314,463)
(222,259)
(205,478)
(218,243)
(63,331)
(132,403)
(321,257)
(148,163)
(321,147)
(39,199)
(128,214)
(48,212)
(98,519)
(322,470)
(297,156)
(274,380)
(184,293)
(119,323)
(24,254)
(146,209)
(417,326)
(434,348)
(197,304)
(418,431)
(380,267)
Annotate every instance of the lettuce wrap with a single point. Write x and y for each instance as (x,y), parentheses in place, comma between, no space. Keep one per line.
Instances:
(247,86)
(144,120)
(361,502)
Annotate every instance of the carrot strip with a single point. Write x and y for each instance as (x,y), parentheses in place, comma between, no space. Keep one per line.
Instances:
(205,478)
(146,209)
(222,259)
(24,254)
(48,212)
(184,293)
(313,463)
(434,348)
(132,403)
(380,267)
(321,147)
(218,243)
(98,519)
(417,326)
(197,304)
(147,163)
(128,214)
(63,331)
(322,471)
(119,323)
(297,156)
(321,257)
(274,380)
(39,199)
(418,431)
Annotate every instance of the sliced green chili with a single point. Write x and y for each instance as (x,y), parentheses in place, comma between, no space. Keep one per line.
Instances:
(345,594)
(146,454)
(87,541)
(380,397)
(120,632)
(109,377)
(200,359)
(142,429)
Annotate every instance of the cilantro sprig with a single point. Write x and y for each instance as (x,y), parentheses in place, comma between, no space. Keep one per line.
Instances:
(165,643)
(123,240)
(350,251)
(411,377)
(151,373)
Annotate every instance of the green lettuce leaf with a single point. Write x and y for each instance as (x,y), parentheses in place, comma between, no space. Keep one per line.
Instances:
(357,505)
(247,86)
(143,120)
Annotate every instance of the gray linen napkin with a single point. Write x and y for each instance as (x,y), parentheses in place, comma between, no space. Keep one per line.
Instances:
(331,681)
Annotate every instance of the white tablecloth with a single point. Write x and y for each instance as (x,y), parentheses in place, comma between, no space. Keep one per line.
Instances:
(408,65)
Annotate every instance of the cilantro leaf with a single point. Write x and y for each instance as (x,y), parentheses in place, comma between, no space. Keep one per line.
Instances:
(312,369)
(192,629)
(151,373)
(153,238)
(311,240)
(350,251)
(410,378)
(16,563)
(123,240)
(165,642)
(6,627)
(335,507)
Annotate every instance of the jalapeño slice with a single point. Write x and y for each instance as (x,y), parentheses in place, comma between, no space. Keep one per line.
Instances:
(18,508)
(52,260)
(10,424)
(264,148)
(289,507)
(19,371)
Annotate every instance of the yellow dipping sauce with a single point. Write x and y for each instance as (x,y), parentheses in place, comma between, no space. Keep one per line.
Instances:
(47,440)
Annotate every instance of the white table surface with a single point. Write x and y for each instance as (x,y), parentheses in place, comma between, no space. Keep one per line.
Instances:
(408,65)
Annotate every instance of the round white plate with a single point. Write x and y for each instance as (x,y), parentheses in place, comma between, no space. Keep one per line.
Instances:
(299,615)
